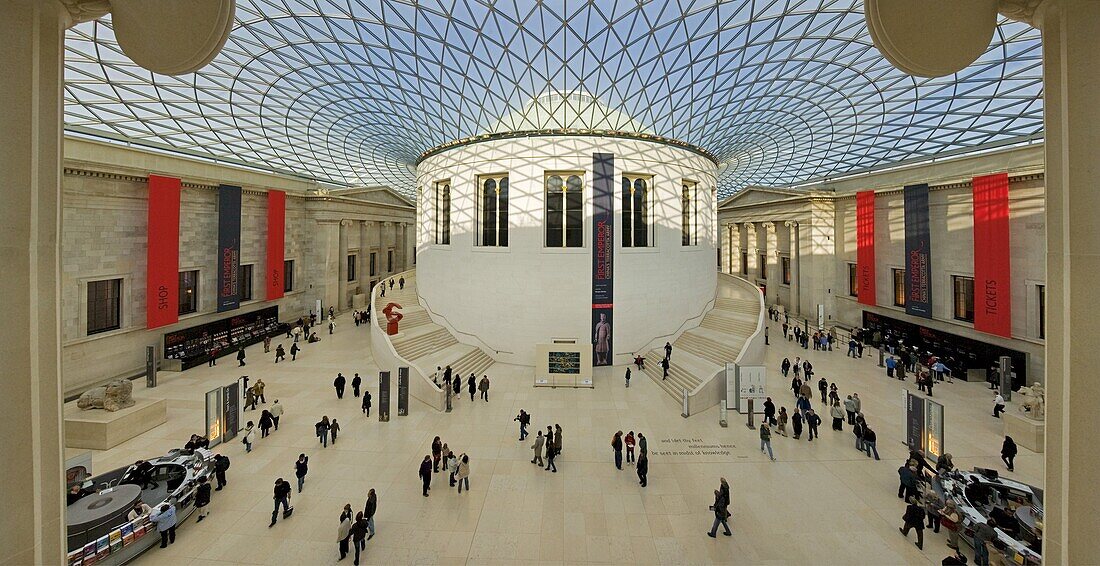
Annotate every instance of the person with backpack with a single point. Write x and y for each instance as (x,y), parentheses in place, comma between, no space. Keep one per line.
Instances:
(280,353)
(281,497)
(766,439)
(221,465)
(294,349)
(321,428)
(249,437)
(522,418)
(914,519)
(301,468)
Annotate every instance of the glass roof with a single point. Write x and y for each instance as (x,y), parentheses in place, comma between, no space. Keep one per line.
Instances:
(353,91)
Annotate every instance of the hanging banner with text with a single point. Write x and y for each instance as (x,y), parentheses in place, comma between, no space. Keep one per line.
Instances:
(276,242)
(229,247)
(603,251)
(162,263)
(865,247)
(992,272)
(918,252)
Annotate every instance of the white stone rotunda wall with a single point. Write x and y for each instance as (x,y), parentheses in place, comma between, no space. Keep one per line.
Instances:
(507,300)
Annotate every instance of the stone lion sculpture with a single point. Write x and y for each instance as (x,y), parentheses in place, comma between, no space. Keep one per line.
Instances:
(115,395)
(1035,402)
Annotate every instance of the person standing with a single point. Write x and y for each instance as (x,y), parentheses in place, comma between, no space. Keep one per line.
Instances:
(331,326)
(165,519)
(249,436)
(333,430)
(914,519)
(629,442)
(998,405)
(551,452)
(456,382)
(471,383)
(522,418)
(823,388)
(643,445)
(617,445)
(280,353)
(483,387)
(838,416)
(240,361)
(643,469)
(259,387)
(812,422)
(359,536)
(983,533)
(321,428)
(796,424)
(401,283)
(202,498)
(369,510)
(450,465)
(301,468)
(267,344)
(907,482)
(537,447)
(343,533)
(294,349)
(950,519)
(769,411)
(221,465)
(668,351)
(721,515)
(785,367)
(803,406)
(463,473)
(366,403)
(628,377)
(426,473)
(781,422)
(281,497)
(933,509)
(850,409)
(766,439)
(437,454)
(339,383)
(664,368)
(356,382)
(276,412)
(266,422)
(1008,452)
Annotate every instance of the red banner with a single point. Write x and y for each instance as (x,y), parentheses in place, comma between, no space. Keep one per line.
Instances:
(162,287)
(992,271)
(865,247)
(276,227)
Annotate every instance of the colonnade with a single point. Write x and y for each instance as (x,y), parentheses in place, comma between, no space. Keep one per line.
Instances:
(752,249)
(376,237)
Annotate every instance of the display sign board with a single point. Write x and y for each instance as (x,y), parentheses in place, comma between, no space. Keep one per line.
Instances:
(603,254)
(924,425)
(751,384)
(402,391)
(383,396)
(214,416)
(195,345)
(150,366)
(564,363)
(918,252)
(229,247)
(231,410)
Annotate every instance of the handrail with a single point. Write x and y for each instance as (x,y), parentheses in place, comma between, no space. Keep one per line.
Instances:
(754,336)
(377,313)
(451,327)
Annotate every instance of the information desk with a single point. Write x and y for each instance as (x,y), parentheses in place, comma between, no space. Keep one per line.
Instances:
(196,345)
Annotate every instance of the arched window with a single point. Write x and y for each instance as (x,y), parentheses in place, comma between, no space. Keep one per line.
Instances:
(564,211)
(689,214)
(443,212)
(493,210)
(636,209)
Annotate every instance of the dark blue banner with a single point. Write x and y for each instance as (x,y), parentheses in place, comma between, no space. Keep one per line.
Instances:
(229,247)
(918,252)
(603,253)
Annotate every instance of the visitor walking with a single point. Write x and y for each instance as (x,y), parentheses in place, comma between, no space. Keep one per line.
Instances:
(664,369)
(221,465)
(796,425)
(914,519)
(259,388)
(537,447)
(766,439)
(359,536)
(267,344)
(294,349)
(321,429)
(838,416)
(343,532)
(276,413)
(249,436)
(301,468)
(812,422)
(280,353)
(240,361)
(483,387)
(551,450)
(281,497)
(668,351)
(785,367)
(523,419)
(366,403)
(462,476)
(721,515)
(471,384)
(643,469)
(339,383)
(356,382)
(202,498)
(333,430)
(369,510)
(781,421)
(1008,452)
(266,422)
(769,411)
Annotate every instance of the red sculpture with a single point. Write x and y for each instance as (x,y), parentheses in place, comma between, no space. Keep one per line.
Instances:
(392,318)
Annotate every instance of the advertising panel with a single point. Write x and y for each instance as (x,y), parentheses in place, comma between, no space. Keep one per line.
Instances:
(865,247)
(751,384)
(214,416)
(231,410)
(229,247)
(276,244)
(383,396)
(918,252)
(603,252)
(992,265)
(163,252)
(402,391)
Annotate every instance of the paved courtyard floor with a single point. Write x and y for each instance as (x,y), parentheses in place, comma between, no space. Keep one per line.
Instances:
(822,502)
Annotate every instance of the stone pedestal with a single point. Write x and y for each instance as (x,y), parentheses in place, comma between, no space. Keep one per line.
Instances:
(101,430)
(1027,432)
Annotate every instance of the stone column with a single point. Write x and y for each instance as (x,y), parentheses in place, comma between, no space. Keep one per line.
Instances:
(750,246)
(742,236)
(383,266)
(771,247)
(342,278)
(403,246)
(796,296)
(363,273)
(32,508)
(1071,76)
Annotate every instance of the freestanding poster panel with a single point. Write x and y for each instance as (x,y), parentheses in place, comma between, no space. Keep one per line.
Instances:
(603,252)
(918,252)
(914,420)
(751,384)
(231,397)
(933,430)
(214,416)
(402,391)
(162,264)
(383,396)
(229,247)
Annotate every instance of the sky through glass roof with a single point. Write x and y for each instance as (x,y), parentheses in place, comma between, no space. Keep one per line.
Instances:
(353,91)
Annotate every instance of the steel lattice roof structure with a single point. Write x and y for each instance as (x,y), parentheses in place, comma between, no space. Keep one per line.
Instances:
(351,92)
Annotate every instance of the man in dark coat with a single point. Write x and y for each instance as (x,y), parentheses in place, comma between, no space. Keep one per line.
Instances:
(240,360)
(339,383)
(471,383)
(366,403)
(426,473)
(355,383)
(643,468)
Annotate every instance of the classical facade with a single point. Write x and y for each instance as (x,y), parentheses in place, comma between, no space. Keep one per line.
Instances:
(338,243)
(800,247)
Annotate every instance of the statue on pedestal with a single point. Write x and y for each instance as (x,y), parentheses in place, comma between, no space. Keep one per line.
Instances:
(112,397)
(392,318)
(1035,401)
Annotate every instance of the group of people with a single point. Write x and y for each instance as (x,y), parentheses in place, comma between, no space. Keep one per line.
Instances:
(447,380)
(548,444)
(357,529)
(382,286)
(442,458)
(629,442)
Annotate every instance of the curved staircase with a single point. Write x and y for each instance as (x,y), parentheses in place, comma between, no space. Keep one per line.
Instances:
(700,354)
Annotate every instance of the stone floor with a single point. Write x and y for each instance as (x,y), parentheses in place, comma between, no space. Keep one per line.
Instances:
(821,503)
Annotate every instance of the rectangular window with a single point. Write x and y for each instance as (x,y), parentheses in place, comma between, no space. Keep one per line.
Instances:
(744,263)
(389,261)
(763,266)
(853,280)
(564,214)
(373,264)
(443,212)
(785,265)
(689,214)
(964,297)
(246,282)
(899,287)
(1042,290)
(104,305)
(492,211)
(352,258)
(288,276)
(189,292)
(637,225)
